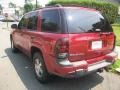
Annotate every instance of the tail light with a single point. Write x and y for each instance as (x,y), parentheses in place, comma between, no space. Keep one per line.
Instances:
(114,42)
(62,48)
(111,41)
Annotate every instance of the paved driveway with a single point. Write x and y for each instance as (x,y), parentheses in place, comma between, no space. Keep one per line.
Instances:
(16,73)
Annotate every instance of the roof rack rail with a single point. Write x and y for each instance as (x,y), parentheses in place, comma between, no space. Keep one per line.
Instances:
(49,6)
(39,8)
(56,5)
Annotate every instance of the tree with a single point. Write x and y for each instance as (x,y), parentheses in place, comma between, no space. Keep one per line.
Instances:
(28,1)
(1,7)
(38,6)
(12,5)
(28,7)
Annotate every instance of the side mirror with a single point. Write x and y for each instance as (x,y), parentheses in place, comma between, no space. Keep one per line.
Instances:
(14,26)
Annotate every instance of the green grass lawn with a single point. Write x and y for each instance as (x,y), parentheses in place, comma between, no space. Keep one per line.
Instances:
(116,28)
(117,20)
(114,66)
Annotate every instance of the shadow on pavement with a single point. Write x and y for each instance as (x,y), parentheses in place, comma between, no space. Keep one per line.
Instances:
(23,67)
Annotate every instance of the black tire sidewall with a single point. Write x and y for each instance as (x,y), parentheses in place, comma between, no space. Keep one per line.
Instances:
(14,49)
(44,77)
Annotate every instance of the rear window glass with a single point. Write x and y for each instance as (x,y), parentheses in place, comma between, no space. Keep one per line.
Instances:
(86,21)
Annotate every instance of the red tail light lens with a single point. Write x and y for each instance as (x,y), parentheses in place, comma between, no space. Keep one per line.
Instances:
(62,48)
(111,41)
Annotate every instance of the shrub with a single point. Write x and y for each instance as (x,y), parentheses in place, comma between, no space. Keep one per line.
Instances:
(110,10)
(114,66)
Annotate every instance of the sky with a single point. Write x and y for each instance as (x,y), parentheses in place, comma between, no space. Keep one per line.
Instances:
(4,3)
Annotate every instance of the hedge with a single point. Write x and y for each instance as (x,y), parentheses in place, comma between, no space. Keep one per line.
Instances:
(110,10)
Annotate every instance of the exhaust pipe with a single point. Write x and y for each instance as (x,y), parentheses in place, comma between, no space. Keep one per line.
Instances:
(100,70)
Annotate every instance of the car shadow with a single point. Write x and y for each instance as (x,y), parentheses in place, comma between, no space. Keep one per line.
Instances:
(23,67)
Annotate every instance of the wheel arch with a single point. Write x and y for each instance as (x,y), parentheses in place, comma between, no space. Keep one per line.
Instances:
(35,49)
(10,37)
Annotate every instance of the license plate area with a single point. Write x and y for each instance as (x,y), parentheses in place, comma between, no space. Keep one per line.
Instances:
(96,45)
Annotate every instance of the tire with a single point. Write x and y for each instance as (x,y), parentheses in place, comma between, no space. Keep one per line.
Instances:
(14,49)
(40,70)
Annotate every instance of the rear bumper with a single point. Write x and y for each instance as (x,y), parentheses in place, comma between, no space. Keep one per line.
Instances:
(91,68)
(99,65)
(80,68)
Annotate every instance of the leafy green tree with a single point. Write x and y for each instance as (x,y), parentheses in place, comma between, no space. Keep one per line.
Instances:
(28,7)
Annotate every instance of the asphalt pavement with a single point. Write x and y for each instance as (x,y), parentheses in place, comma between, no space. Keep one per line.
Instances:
(16,73)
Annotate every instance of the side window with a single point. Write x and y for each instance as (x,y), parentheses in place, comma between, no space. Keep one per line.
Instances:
(23,23)
(32,21)
(50,21)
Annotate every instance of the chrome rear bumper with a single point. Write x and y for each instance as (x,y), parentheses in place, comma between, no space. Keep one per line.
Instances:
(92,68)
(82,68)
(98,65)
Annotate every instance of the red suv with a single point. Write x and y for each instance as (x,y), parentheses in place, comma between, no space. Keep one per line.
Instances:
(65,41)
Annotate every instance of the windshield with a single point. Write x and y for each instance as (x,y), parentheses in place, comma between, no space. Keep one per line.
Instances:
(86,21)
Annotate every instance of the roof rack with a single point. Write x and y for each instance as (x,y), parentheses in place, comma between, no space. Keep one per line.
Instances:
(50,6)
(56,5)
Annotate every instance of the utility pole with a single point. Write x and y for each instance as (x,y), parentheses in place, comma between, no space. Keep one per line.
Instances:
(36,4)
(25,1)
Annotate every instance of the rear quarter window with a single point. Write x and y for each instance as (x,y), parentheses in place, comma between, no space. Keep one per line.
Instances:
(50,21)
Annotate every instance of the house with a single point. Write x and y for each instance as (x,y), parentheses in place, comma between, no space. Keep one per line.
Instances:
(9,11)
